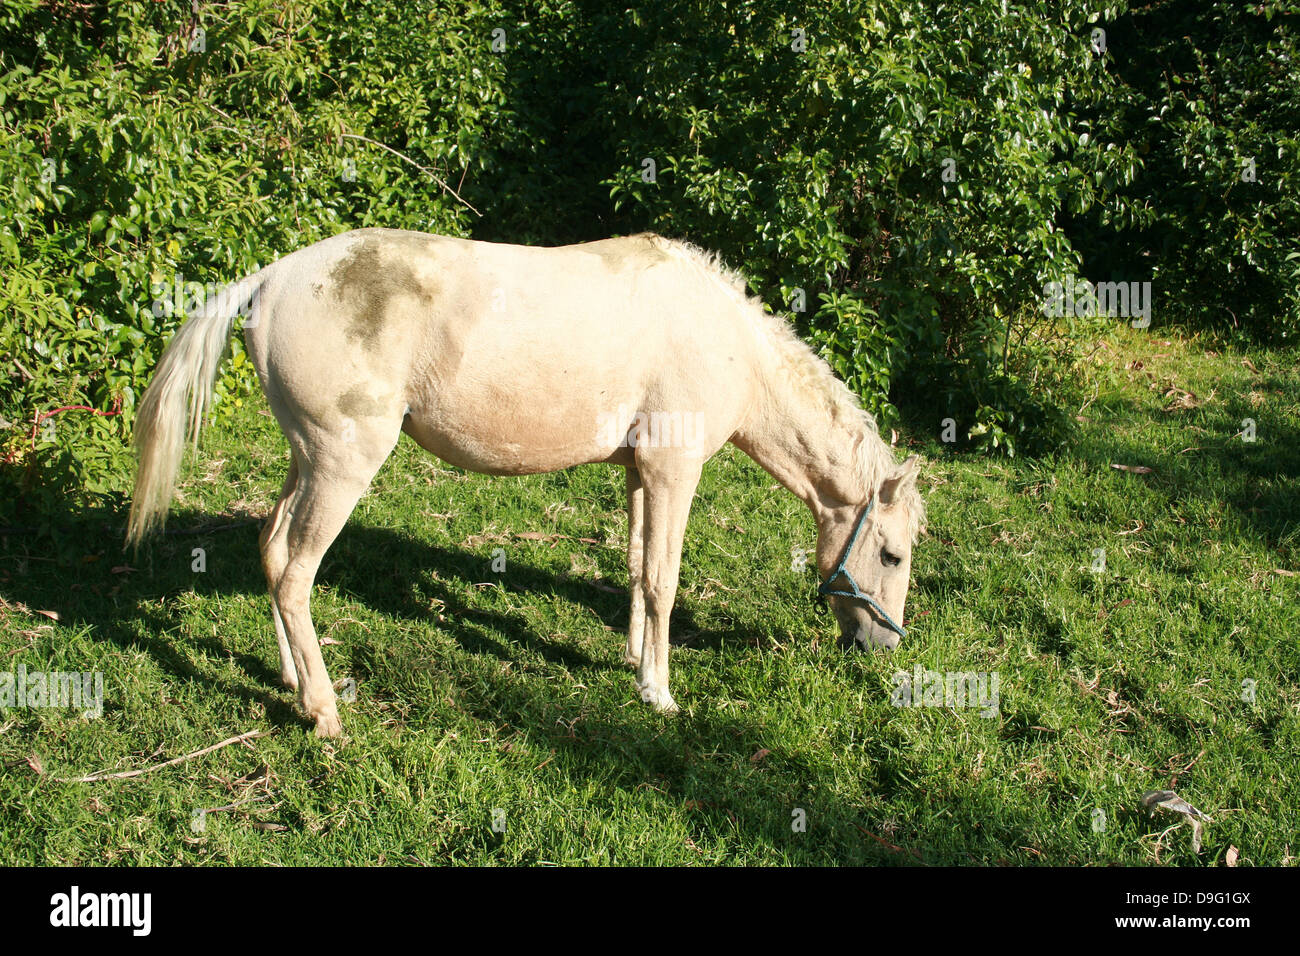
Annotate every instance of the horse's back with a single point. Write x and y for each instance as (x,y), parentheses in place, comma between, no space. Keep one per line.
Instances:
(504,356)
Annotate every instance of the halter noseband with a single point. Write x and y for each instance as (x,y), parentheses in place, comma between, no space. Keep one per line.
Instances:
(842,569)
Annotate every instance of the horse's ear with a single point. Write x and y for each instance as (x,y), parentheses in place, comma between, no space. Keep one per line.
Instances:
(899,479)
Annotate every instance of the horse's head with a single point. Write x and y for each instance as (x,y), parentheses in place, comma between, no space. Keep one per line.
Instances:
(873,544)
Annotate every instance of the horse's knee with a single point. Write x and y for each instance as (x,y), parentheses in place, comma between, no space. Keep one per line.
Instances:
(291,594)
(659,599)
(273,565)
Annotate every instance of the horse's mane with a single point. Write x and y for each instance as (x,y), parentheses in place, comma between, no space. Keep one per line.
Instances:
(806,370)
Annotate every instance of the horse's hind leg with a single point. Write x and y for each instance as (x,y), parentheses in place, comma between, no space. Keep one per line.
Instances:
(275,555)
(635,565)
(331,480)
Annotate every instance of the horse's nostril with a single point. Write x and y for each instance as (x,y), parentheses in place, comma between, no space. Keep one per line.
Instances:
(887,641)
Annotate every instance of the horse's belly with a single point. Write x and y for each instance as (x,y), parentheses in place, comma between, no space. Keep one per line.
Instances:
(505,441)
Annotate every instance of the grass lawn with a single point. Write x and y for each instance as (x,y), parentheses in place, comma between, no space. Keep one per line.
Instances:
(485,697)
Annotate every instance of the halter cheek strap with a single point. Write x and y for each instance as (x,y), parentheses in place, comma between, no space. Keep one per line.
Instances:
(842,570)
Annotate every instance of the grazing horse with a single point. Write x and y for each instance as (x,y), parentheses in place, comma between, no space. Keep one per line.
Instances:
(509,360)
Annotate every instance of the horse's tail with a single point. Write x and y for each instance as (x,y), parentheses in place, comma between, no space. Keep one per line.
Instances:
(179,397)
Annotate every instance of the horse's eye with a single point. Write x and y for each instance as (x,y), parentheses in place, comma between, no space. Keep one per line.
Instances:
(891,560)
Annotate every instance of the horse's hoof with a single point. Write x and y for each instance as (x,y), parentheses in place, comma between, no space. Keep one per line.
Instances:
(328,725)
(660,700)
(325,714)
(667,706)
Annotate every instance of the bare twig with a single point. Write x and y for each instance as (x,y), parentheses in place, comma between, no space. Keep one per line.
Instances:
(429,172)
(91,778)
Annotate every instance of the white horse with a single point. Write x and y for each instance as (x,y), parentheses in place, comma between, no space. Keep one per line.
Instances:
(509,360)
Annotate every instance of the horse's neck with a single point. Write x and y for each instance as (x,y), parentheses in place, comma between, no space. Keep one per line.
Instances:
(793,435)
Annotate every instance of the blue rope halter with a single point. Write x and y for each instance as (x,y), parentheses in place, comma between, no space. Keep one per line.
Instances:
(841,569)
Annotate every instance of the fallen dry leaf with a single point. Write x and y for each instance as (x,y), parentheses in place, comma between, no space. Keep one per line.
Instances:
(1183,399)
(1155,800)
(1169,800)
(1134,469)
(34,762)
(52,615)
(759,755)
(1230,859)
(892,847)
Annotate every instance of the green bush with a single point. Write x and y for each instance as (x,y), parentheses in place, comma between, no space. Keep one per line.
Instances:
(1209,94)
(145,156)
(904,164)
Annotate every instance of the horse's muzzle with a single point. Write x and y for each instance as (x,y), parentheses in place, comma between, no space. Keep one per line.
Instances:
(868,638)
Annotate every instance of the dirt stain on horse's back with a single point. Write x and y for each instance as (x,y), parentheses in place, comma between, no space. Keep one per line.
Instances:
(640,251)
(366,280)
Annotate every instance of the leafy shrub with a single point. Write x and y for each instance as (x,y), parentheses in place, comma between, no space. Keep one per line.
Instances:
(904,164)
(146,156)
(1209,94)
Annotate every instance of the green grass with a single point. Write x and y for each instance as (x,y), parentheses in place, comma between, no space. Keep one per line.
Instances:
(480,692)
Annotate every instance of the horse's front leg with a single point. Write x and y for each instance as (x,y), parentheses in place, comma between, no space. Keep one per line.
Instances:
(635,565)
(668,491)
